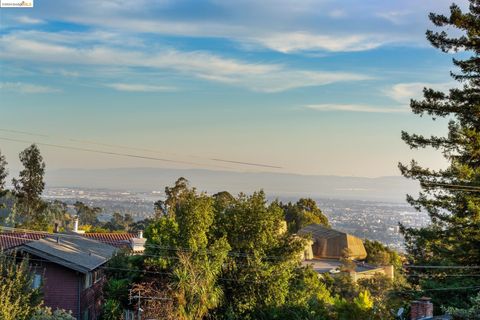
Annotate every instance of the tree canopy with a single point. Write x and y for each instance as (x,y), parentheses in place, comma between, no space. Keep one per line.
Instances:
(450,196)
(28,188)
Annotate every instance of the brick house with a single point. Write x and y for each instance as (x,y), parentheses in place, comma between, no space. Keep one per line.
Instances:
(69,271)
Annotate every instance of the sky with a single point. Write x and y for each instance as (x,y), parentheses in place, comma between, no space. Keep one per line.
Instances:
(314,87)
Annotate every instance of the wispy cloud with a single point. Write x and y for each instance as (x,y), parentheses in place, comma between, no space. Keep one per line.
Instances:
(137,87)
(28,20)
(304,41)
(337,13)
(21,87)
(395,17)
(263,77)
(355,108)
(403,92)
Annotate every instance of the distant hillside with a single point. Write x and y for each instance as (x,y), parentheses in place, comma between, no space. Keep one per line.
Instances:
(275,184)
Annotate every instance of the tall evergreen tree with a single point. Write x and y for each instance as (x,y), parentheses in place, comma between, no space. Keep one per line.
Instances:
(29,187)
(450,196)
(3,172)
(3,176)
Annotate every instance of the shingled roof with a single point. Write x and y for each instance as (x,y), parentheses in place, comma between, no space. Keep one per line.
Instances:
(119,240)
(76,253)
(320,231)
(11,240)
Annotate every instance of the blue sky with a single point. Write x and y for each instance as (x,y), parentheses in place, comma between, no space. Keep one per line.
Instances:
(315,87)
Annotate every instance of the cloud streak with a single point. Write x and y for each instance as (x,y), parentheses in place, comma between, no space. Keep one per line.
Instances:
(28,20)
(304,41)
(355,108)
(262,77)
(26,88)
(138,87)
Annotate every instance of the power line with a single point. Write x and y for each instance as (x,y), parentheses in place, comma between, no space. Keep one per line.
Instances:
(453,186)
(103,152)
(440,267)
(436,289)
(145,149)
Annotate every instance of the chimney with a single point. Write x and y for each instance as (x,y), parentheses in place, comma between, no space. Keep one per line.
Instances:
(421,309)
(55,228)
(140,234)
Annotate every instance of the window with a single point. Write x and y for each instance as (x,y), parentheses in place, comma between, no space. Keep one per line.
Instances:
(97,275)
(37,281)
(88,280)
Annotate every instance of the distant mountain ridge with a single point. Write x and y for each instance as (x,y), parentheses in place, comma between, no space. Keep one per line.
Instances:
(282,185)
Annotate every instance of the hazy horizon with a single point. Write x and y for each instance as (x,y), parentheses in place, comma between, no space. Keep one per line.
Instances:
(388,189)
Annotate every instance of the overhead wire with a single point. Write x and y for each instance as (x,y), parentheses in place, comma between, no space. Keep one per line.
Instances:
(245,163)
(103,152)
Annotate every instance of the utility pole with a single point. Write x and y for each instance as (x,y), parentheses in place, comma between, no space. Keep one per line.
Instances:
(139,304)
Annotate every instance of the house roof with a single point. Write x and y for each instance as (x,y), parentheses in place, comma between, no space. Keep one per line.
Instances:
(10,240)
(330,243)
(320,231)
(14,239)
(76,253)
(119,240)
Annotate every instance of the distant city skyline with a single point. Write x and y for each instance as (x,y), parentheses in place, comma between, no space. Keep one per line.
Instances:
(313,87)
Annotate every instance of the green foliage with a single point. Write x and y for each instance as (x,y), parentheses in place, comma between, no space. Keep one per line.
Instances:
(470,313)
(381,255)
(308,297)
(361,308)
(28,189)
(303,213)
(264,257)
(87,215)
(18,300)
(449,195)
(184,222)
(46,313)
(174,194)
(3,175)
(228,257)
(57,211)
(117,290)
(162,237)
(194,283)
(341,285)
(112,310)
(194,215)
(120,278)
(119,222)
